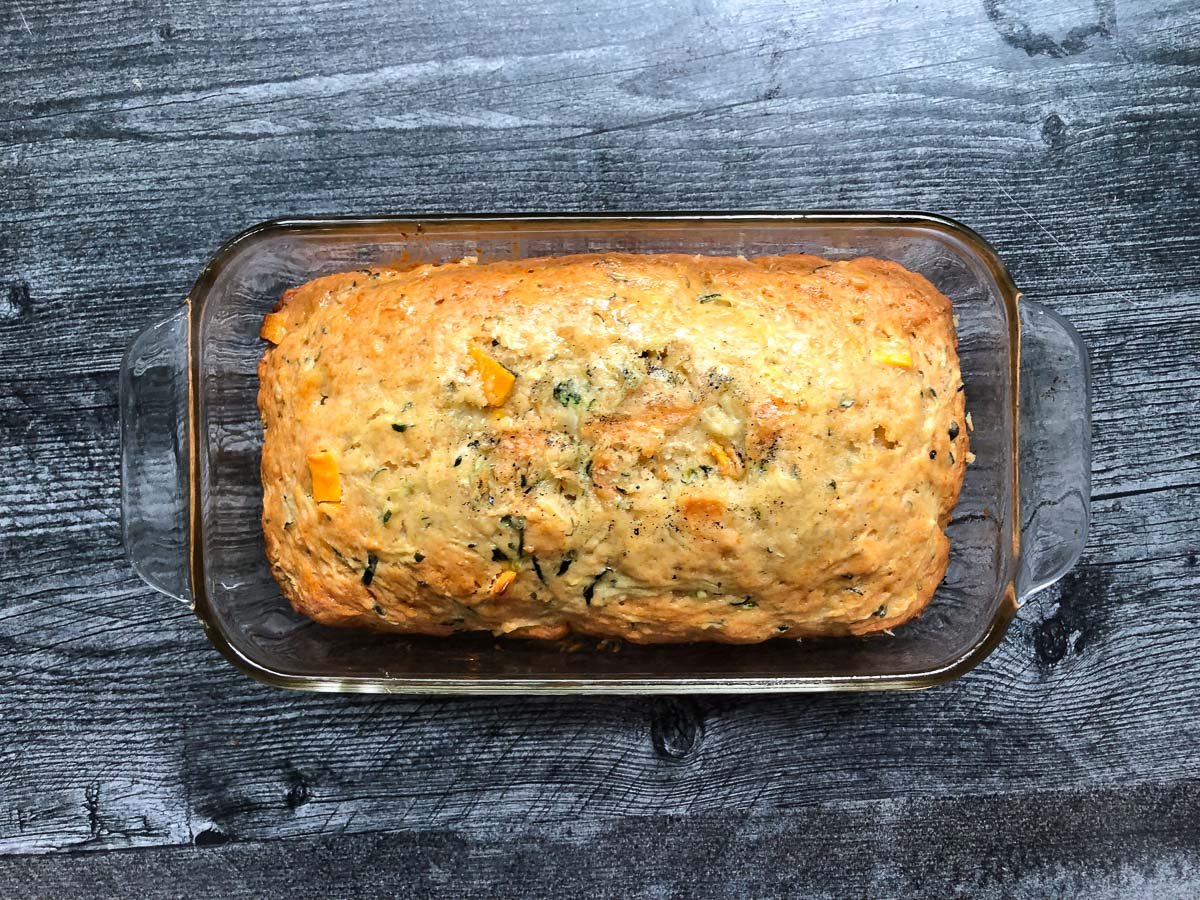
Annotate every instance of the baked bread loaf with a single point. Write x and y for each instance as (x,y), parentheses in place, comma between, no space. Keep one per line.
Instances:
(652,447)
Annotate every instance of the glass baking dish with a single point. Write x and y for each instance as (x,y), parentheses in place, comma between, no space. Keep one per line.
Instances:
(191,438)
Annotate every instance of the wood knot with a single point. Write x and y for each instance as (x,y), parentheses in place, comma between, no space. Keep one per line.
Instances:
(1072,626)
(1052,641)
(14,301)
(297,792)
(212,836)
(1054,131)
(1009,17)
(677,729)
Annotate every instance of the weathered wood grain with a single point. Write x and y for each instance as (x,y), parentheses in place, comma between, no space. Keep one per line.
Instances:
(134,139)
(1106,844)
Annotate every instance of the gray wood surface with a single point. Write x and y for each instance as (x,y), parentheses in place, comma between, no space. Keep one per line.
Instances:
(134,138)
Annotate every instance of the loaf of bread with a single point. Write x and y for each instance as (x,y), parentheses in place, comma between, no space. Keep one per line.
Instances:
(658,448)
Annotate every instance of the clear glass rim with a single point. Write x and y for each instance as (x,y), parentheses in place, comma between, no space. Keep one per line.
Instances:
(711,684)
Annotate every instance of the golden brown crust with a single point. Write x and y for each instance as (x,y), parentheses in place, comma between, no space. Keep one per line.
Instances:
(695,448)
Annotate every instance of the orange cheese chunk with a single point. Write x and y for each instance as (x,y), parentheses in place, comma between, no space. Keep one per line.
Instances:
(893,355)
(728,462)
(701,508)
(503,580)
(326,483)
(497,380)
(272,328)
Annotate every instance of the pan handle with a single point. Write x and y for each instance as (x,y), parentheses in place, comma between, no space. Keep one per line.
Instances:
(1055,448)
(154,455)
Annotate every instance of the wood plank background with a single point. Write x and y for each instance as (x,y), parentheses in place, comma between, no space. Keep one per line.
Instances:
(135,137)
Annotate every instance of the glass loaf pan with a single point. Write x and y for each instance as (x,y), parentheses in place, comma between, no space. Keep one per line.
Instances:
(191,438)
